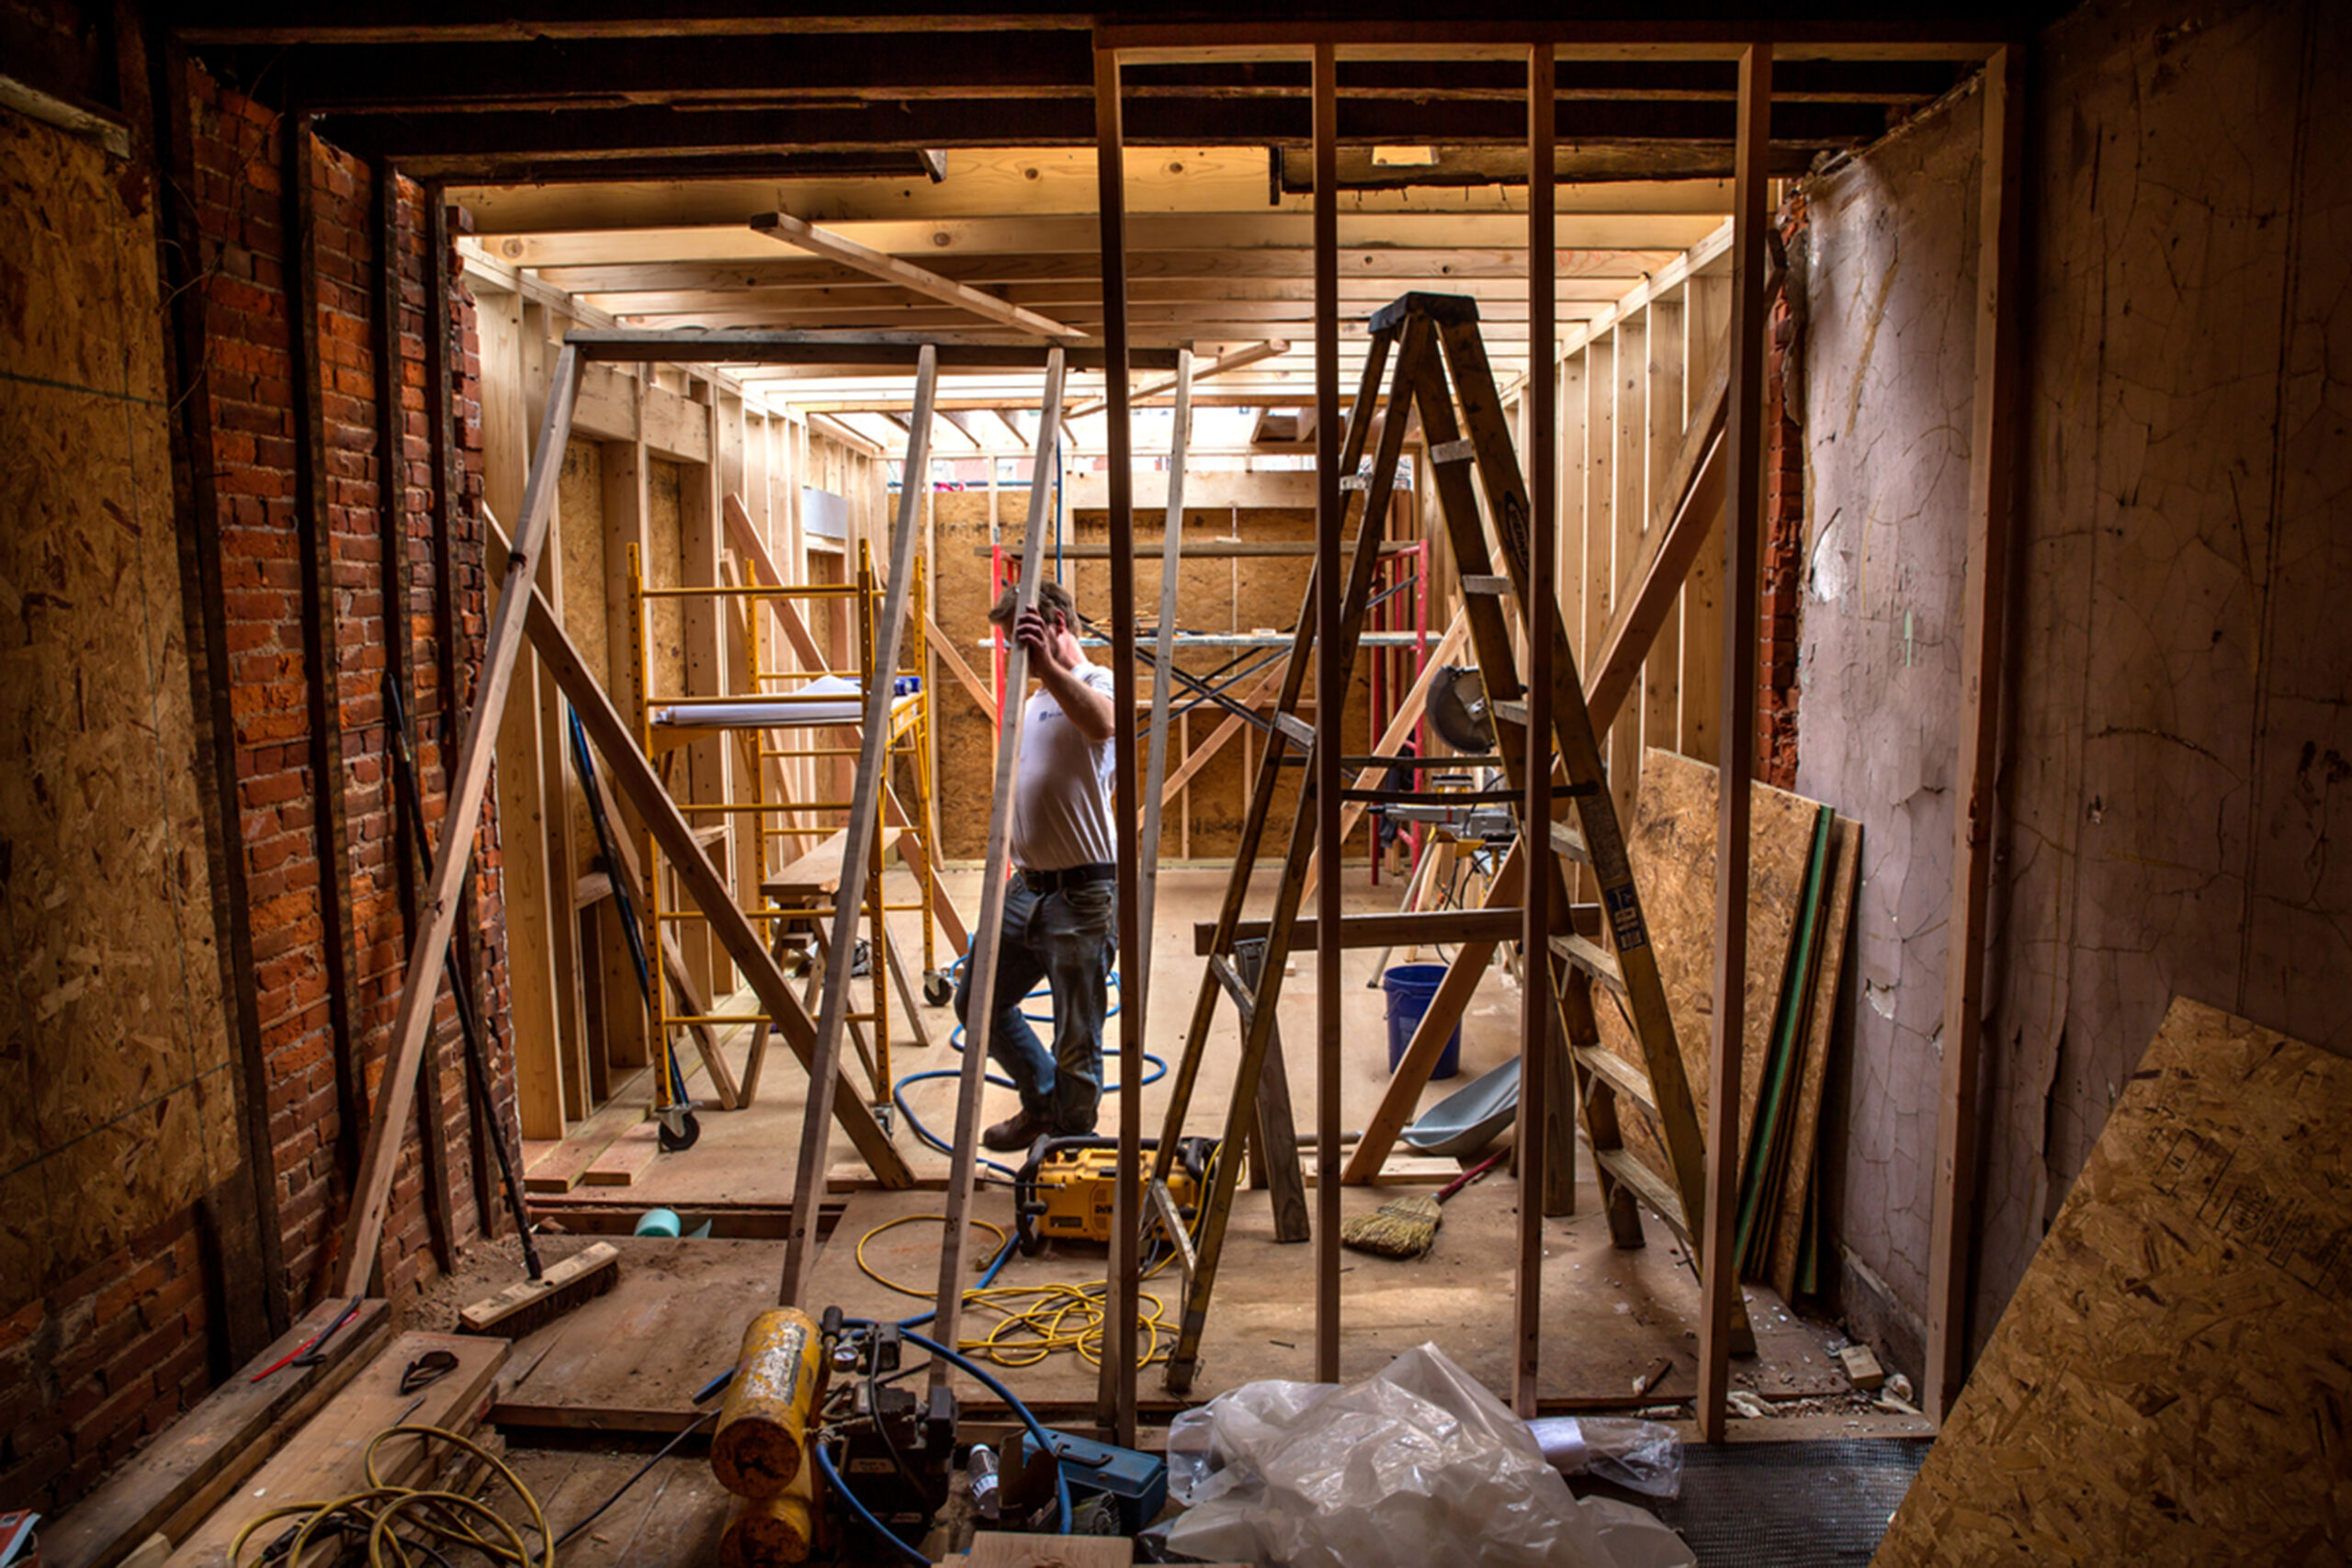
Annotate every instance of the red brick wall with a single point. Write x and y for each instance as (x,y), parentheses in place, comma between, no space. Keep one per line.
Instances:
(1784,544)
(250,367)
(99,1364)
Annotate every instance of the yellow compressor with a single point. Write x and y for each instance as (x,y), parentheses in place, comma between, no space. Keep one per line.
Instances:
(1065,1190)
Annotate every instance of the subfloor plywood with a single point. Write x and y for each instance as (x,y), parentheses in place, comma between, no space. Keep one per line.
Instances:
(633,1358)
(745,1156)
(1609,1314)
(675,1515)
(2168,1384)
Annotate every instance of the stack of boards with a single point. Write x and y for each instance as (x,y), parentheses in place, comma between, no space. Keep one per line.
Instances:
(1805,862)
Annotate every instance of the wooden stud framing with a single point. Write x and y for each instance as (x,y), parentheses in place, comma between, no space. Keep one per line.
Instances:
(467,785)
(964,296)
(1136,985)
(857,850)
(1991,480)
(1330,684)
(1539,1021)
(1117,1390)
(1719,1268)
(1182,383)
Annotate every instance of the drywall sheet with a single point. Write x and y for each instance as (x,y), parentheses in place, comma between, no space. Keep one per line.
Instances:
(2169,1384)
(117,1102)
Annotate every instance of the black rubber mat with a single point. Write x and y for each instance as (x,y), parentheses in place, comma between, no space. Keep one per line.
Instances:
(1804,1504)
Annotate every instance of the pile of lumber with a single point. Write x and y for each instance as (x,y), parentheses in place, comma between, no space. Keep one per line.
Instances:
(293,1433)
(1805,861)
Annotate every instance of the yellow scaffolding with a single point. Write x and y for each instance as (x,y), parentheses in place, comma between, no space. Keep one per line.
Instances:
(796,894)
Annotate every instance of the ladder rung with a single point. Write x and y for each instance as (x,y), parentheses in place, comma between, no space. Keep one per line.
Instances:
(1295,730)
(1567,840)
(1460,451)
(1650,1187)
(1354,481)
(1588,957)
(1498,587)
(1622,1076)
(1510,713)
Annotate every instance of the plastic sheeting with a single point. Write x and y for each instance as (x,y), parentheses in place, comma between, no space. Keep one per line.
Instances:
(1418,1464)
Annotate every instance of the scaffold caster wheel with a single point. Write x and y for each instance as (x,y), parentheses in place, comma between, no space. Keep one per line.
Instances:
(679,1130)
(936,988)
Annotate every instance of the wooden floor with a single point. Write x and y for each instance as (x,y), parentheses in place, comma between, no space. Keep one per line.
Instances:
(633,1360)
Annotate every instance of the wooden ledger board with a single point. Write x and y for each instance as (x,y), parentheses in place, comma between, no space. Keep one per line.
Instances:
(2169,1383)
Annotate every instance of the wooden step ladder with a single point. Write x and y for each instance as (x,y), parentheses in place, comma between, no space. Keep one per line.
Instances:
(1431,338)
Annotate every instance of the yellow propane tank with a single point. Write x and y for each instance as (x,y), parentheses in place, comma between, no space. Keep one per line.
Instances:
(762,1437)
(770,1531)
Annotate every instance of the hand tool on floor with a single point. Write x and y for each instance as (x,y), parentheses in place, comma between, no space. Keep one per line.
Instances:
(307,1354)
(1406,1227)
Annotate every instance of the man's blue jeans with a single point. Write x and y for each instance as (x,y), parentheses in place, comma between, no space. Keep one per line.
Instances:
(1064,938)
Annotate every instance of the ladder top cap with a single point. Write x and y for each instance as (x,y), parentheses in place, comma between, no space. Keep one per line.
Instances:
(1447,307)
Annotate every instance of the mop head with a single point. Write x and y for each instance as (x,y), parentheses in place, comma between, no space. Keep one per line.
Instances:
(1405,1228)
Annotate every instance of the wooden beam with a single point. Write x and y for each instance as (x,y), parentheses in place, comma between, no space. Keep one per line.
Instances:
(1330,683)
(1991,500)
(1181,382)
(857,848)
(1078,235)
(1171,556)
(1411,927)
(1538,1023)
(1116,1390)
(884,350)
(1744,464)
(839,248)
(501,649)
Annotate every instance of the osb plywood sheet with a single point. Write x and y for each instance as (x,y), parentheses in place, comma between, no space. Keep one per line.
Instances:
(116,1097)
(2169,1384)
(664,564)
(1672,846)
(79,267)
(580,528)
(579,515)
(1822,1036)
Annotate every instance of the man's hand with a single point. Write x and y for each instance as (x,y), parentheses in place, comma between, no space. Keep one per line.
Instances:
(1033,632)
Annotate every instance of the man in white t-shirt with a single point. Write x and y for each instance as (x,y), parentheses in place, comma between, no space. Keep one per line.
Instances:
(1060,921)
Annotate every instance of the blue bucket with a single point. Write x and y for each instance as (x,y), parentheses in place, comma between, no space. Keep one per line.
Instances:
(1409,987)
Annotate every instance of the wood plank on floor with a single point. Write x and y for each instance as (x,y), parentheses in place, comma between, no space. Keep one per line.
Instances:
(632,1359)
(323,1461)
(674,1515)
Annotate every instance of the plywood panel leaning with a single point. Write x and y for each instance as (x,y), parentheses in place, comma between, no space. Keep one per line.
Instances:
(1672,846)
(2166,1385)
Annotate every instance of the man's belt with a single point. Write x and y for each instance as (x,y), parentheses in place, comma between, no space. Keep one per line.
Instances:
(1044,882)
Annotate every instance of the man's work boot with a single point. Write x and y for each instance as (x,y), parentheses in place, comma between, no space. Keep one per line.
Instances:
(1016,1132)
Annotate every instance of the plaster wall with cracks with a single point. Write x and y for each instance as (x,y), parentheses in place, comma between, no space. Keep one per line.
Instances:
(2177,742)
(1890,350)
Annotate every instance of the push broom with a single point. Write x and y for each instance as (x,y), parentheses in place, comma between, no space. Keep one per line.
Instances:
(1406,1227)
